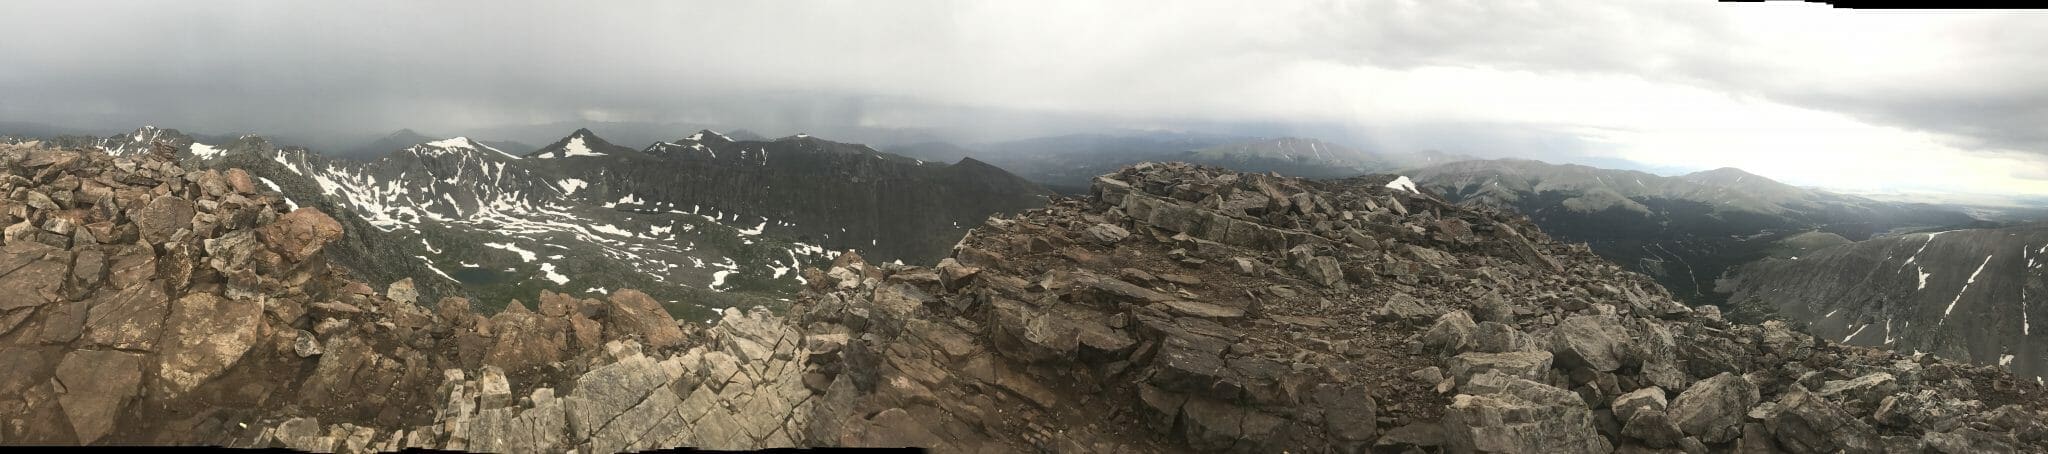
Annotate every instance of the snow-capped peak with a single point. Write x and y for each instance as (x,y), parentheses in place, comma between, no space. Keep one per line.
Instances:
(458,142)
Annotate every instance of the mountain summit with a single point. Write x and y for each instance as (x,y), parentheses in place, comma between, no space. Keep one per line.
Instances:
(581,143)
(1176,309)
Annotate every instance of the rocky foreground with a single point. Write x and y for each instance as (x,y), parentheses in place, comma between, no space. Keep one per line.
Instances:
(1179,308)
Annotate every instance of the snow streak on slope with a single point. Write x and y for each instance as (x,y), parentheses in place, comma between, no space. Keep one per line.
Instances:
(1966,288)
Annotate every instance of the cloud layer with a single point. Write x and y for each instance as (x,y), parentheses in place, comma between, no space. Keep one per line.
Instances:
(1869,101)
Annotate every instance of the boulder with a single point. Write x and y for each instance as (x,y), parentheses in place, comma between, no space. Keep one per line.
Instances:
(1404,308)
(1521,416)
(631,313)
(1712,409)
(1866,391)
(163,216)
(1599,343)
(1651,398)
(1804,423)
(1524,365)
(301,233)
(1451,334)
(402,291)
(1653,428)
(204,335)
(98,385)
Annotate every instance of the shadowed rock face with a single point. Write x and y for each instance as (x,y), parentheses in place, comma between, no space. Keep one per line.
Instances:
(1233,313)
(1969,295)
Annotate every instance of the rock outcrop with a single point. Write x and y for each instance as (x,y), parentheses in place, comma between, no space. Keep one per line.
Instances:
(1224,312)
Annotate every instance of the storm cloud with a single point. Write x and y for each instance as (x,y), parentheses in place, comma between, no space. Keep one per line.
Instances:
(1811,95)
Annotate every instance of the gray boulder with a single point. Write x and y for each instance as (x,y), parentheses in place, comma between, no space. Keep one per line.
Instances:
(1713,409)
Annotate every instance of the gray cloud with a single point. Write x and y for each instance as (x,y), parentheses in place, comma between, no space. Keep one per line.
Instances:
(953,70)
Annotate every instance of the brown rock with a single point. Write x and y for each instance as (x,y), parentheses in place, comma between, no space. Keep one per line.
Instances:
(33,274)
(162,217)
(631,312)
(97,385)
(204,336)
(241,181)
(301,233)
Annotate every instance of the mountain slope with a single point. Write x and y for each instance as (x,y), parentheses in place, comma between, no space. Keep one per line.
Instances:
(833,194)
(501,228)
(1966,294)
(584,216)
(1686,230)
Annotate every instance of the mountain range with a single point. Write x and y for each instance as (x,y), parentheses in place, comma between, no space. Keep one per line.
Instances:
(1068,163)
(1687,231)
(581,215)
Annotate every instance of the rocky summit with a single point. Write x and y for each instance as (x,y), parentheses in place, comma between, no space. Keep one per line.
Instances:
(1176,308)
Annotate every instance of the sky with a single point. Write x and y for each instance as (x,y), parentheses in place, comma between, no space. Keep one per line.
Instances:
(1929,102)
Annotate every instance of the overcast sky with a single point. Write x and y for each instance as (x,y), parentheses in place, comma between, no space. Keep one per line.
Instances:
(1945,102)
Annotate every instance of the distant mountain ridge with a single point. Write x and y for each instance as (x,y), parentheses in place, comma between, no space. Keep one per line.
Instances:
(1068,163)
(1685,230)
(585,216)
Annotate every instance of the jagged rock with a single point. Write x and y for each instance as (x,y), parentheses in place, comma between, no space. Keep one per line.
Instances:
(1867,390)
(632,313)
(1499,337)
(1712,409)
(1204,310)
(164,216)
(1650,398)
(1451,334)
(402,291)
(1805,423)
(1522,416)
(1105,233)
(1493,308)
(305,345)
(301,233)
(1402,307)
(1524,365)
(1596,342)
(1349,412)
(1653,428)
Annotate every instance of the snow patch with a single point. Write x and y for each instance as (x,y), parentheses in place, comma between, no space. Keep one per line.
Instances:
(571,185)
(1852,335)
(458,142)
(437,270)
(1966,288)
(718,278)
(526,255)
(1403,183)
(204,151)
(548,272)
(576,147)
